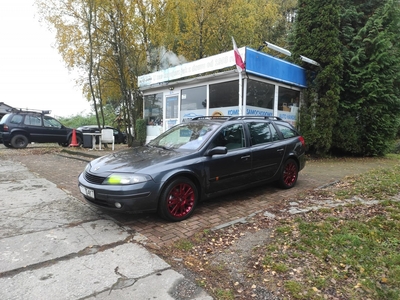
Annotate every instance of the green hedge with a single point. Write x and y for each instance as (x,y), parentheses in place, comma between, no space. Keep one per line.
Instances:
(141,131)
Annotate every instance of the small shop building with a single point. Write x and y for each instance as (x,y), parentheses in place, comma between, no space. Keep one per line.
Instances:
(213,86)
(4,109)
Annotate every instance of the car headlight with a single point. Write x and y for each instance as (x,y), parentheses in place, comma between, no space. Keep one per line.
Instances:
(120,178)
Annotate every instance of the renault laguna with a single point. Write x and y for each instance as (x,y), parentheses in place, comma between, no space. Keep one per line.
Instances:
(195,160)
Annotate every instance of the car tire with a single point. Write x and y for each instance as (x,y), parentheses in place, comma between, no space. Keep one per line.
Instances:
(8,145)
(19,141)
(289,174)
(178,200)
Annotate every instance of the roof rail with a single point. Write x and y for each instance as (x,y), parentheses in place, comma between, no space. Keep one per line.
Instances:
(17,110)
(255,117)
(211,118)
(228,118)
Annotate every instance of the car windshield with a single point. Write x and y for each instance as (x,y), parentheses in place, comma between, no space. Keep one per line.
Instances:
(185,136)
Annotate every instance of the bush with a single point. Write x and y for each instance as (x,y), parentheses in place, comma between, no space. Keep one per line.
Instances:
(141,131)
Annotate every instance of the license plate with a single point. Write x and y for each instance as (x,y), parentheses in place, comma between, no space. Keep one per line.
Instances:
(86,191)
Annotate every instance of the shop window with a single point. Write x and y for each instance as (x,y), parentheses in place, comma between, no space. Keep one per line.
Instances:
(224,94)
(194,98)
(288,100)
(153,109)
(193,102)
(260,94)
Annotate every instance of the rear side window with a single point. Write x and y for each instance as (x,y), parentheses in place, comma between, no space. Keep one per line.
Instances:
(33,120)
(286,131)
(16,119)
(262,132)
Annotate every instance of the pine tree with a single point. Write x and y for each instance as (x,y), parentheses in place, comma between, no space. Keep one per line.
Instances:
(316,36)
(369,106)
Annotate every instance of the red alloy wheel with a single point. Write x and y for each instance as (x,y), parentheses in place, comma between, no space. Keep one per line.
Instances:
(181,200)
(290,173)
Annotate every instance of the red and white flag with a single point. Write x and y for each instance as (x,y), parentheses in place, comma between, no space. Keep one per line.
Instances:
(239,62)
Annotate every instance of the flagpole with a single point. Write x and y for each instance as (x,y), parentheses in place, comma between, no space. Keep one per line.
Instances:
(240,66)
(240,94)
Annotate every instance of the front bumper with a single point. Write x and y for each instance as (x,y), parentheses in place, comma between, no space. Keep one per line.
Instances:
(135,198)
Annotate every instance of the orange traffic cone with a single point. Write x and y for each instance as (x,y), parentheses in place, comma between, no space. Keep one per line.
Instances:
(74,142)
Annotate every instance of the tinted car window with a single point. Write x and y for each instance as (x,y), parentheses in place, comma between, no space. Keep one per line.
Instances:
(287,132)
(16,119)
(274,133)
(50,122)
(33,120)
(234,136)
(262,132)
(231,137)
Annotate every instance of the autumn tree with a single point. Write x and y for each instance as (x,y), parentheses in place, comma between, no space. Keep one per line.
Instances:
(276,29)
(97,38)
(204,28)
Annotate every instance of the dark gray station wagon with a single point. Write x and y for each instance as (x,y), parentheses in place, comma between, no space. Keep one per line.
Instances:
(195,160)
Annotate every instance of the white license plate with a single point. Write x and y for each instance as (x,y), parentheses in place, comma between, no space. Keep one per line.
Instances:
(86,191)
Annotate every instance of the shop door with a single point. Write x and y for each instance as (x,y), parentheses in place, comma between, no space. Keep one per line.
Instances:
(171,111)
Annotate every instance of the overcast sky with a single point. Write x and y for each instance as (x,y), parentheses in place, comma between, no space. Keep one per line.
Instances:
(32,73)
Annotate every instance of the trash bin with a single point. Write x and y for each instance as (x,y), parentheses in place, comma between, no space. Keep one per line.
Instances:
(87,139)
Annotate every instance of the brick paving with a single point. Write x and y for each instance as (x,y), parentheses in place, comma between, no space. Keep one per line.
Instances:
(63,169)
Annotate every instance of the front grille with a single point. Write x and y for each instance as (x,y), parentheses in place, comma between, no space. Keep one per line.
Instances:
(93,178)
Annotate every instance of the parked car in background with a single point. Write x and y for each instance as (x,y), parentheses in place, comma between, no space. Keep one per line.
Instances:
(119,137)
(198,159)
(20,127)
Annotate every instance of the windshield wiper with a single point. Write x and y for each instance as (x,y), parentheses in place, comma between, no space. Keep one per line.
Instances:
(162,147)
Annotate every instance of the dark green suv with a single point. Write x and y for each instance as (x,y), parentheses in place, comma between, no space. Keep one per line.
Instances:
(19,127)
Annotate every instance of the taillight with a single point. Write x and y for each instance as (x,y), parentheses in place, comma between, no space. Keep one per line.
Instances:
(5,127)
(302,141)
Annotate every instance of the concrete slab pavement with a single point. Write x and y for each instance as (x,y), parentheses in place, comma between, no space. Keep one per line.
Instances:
(54,246)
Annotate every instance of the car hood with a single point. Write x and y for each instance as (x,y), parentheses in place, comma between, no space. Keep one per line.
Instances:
(133,159)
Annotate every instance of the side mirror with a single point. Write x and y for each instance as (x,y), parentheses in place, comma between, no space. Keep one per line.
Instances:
(217,150)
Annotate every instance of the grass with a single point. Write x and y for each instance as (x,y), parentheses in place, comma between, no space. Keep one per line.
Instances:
(359,249)
(350,252)
(344,252)
(377,184)
(184,245)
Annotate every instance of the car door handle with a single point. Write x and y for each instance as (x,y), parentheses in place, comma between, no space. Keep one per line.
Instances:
(245,157)
(279,150)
